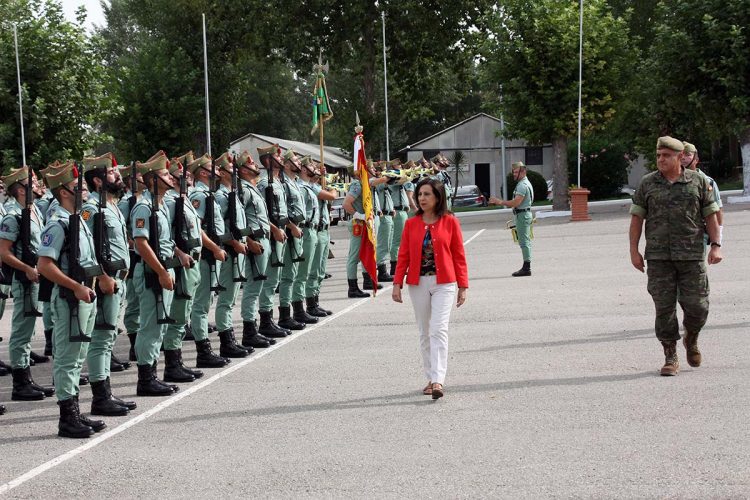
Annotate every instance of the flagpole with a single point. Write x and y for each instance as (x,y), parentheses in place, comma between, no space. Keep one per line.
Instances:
(580,86)
(385,81)
(205,72)
(20,97)
(322,163)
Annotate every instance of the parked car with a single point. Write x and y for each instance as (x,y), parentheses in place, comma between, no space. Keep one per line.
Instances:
(469,196)
(337,211)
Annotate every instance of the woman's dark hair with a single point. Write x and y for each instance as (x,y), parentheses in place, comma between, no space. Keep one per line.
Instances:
(438,189)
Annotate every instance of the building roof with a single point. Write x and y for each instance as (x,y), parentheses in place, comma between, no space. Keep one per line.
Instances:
(334,157)
(459,124)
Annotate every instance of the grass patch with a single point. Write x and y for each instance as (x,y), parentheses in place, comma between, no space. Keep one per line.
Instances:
(730,185)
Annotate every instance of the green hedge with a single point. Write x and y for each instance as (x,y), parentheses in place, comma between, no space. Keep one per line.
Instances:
(537,182)
(604,167)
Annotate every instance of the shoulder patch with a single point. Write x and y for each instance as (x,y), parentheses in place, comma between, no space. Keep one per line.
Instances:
(4,228)
(47,240)
(196,203)
(86,215)
(140,223)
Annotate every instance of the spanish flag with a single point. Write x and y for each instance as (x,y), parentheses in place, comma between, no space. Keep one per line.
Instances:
(367,248)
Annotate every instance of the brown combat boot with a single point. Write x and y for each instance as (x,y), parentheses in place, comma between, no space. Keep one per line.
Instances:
(690,340)
(671,363)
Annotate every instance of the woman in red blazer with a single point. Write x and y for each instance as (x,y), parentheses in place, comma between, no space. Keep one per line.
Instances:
(432,260)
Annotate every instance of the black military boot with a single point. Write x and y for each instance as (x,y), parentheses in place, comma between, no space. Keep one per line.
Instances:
(70,425)
(131,354)
(393,268)
(317,303)
(2,409)
(148,385)
(268,328)
(22,388)
(251,337)
(102,402)
(97,425)
(4,369)
(130,405)
(313,309)
(525,270)
(174,388)
(188,332)
(286,320)
(206,357)
(355,292)
(383,275)
(48,391)
(301,315)
(38,358)
(173,369)
(48,342)
(367,282)
(195,373)
(114,360)
(229,348)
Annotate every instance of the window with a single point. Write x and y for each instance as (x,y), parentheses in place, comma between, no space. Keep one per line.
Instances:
(534,155)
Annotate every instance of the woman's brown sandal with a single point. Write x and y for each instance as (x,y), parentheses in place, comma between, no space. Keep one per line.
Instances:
(428,389)
(437,391)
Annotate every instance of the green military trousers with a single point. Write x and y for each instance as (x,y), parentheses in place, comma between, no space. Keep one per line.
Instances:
(131,318)
(182,304)
(355,242)
(202,300)
(319,262)
(294,252)
(103,340)
(685,282)
(256,266)
(232,268)
(399,220)
(22,325)
(268,289)
(150,333)
(308,266)
(69,356)
(523,228)
(385,233)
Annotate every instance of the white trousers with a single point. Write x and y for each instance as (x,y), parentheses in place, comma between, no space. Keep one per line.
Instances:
(432,307)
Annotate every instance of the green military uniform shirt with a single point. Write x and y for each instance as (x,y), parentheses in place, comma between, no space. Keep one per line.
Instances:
(525,189)
(278,194)
(674,214)
(310,198)
(10,226)
(191,229)
(53,241)
(140,225)
(198,198)
(114,223)
(294,201)
(256,212)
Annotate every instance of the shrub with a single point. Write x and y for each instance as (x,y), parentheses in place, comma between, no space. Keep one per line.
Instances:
(537,182)
(604,167)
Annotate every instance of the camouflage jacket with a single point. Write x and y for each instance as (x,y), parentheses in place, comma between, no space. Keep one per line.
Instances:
(674,214)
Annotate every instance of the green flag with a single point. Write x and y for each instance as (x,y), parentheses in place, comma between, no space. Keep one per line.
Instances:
(321,106)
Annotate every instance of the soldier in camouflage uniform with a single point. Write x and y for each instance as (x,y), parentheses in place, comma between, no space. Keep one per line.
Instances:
(691,160)
(676,204)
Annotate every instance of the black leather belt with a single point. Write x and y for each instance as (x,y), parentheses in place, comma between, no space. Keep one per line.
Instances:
(519,210)
(322,227)
(405,209)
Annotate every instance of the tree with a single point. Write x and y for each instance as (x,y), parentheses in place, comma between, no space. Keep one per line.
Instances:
(532,50)
(64,97)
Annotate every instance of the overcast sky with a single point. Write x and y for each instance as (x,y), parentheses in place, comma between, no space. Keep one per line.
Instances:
(94,16)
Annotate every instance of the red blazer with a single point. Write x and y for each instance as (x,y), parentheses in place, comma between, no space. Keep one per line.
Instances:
(448,243)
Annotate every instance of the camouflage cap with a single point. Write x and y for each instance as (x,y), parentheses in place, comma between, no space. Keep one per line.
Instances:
(16,175)
(157,162)
(62,176)
(199,163)
(105,161)
(667,142)
(689,149)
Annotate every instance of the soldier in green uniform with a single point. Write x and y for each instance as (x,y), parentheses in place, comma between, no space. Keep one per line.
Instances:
(320,222)
(186,231)
(18,252)
(402,194)
(259,249)
(111,244)
(523,197)
(73,303)
(43,204)
(294,255)
(154,274)
(691,160)
(385,215)
(131,318)
(213,257)
(677,204)
(232,271)
(270,184)
(5,369)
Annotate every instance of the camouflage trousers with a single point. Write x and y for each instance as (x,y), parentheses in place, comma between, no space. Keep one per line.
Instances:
(685,282)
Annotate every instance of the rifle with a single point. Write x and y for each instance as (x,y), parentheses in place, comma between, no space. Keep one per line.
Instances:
(296,257)
(78,273)
(134,257)
(104,256)
(237,233)
(27,255)
(209,224)
(185,244)
(150,276)
(259,233)
(274,215)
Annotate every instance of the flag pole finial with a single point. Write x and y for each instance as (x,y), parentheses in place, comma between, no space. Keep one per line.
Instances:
(320,67)
(358,128)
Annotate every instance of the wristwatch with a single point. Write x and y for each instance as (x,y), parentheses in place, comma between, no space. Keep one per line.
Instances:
(714,244)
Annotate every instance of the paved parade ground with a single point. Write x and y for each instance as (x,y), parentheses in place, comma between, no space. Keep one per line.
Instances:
(552,391)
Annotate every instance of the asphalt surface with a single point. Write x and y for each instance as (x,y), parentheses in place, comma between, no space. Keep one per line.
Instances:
(552,392)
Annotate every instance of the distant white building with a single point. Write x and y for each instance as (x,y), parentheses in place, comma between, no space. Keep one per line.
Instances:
(479,139)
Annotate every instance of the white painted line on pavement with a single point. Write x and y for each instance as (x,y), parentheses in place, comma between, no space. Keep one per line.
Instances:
(179,396)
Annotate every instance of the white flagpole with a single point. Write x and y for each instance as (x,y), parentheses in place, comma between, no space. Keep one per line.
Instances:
(502,147)
(385,80)
(205,72)
(20,97)
(580,86)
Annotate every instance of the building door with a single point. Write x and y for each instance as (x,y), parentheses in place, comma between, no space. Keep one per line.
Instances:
(482,178)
